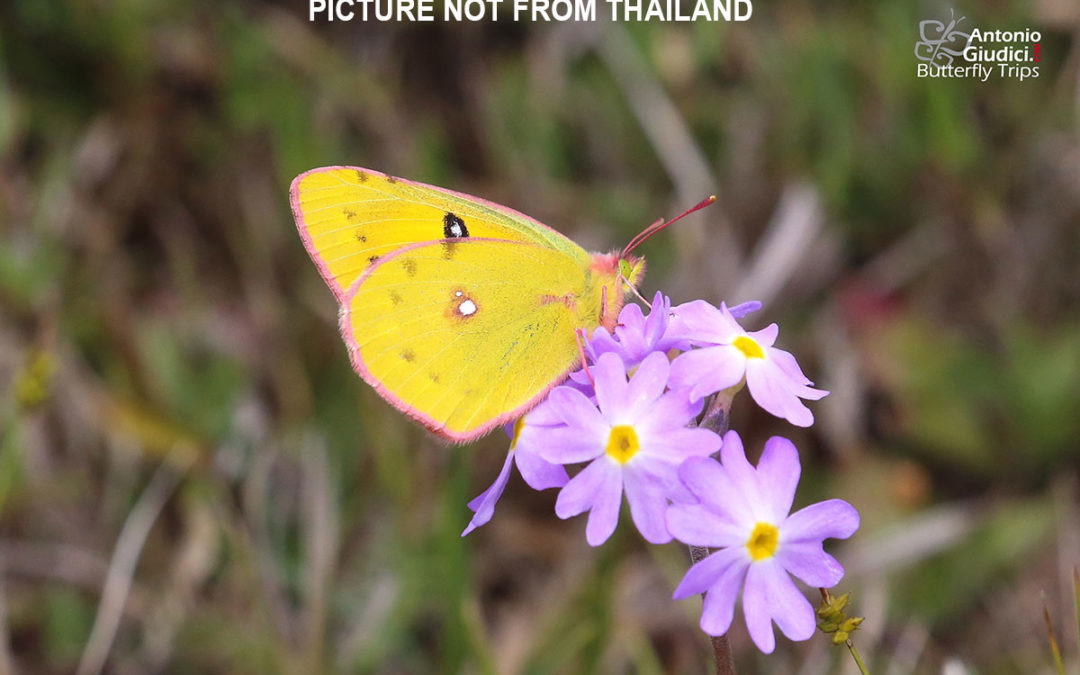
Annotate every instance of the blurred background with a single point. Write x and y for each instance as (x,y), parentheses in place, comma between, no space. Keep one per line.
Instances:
(192,479)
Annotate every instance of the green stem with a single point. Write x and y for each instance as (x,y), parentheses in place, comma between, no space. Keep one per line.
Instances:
(858,659)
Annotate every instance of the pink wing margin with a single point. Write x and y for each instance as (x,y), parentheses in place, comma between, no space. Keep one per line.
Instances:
(434,426)
(342,294)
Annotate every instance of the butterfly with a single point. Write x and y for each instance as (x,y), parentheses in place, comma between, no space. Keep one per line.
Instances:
(460,312)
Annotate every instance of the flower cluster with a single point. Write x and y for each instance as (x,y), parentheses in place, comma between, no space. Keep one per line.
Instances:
(628,421)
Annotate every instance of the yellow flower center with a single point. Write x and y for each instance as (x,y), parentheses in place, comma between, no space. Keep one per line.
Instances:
(518,426)
(623,443)
(749,348)
(763,540)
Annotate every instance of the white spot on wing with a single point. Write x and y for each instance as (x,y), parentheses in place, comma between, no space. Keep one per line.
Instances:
(467,308)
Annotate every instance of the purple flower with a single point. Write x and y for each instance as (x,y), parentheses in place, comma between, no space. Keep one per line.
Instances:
(635,335)
(634,438)
(537,472)
(728,354)
(743,512)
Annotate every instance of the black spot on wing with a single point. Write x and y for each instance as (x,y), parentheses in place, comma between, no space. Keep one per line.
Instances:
(409,264)
(391,180)
(360,238)
(361,176)
(454,227)
(408,355)
(372,259)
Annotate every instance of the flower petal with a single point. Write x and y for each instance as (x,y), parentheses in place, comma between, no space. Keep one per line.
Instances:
(542,415)
(483,505)
(707,370)
(711,484)
(578,495)
(630,331)
(697,525)
(789,365)
(604,515)
(672,410)
(580,381)
(631,319)
(539,473)
(769,387)
(810,563)
(797,382)
(702,324)
(657,323)
(569,445)
(645,387)
(597,489)
(719,606)
(648,501)
(778,474)
(742,309)
(601,342)
(609,376)
(714,569)
(575,409)
(756,608)
(787,605)
(744,486)
(765,337)
(677,445)
(833,518)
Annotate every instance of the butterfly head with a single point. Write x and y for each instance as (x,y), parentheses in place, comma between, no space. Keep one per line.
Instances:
(620,272)
(614,276)
(619,269)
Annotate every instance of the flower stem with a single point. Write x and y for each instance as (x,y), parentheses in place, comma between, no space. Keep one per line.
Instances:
(725,660)
(717,418)
(858,659)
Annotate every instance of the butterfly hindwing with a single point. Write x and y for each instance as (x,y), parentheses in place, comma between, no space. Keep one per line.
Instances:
(349,218)
(466,335)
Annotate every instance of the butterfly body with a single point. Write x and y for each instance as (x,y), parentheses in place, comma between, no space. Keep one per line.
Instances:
(460,312)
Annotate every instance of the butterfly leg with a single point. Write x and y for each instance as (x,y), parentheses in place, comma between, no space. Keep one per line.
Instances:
(579,334)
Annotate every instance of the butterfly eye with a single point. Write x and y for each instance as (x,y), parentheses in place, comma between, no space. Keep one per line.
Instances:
(454,227)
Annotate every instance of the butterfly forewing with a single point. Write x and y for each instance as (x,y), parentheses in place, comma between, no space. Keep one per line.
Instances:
(350,218)
(466,335)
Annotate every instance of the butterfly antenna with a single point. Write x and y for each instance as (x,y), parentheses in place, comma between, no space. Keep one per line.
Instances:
(660,224)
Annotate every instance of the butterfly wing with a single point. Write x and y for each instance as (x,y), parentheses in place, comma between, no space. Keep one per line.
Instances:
(466,335)
(349,218)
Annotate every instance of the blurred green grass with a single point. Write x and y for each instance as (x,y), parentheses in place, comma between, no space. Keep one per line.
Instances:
(159,311)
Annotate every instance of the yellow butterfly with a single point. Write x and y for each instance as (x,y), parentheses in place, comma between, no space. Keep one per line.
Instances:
(460,312)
